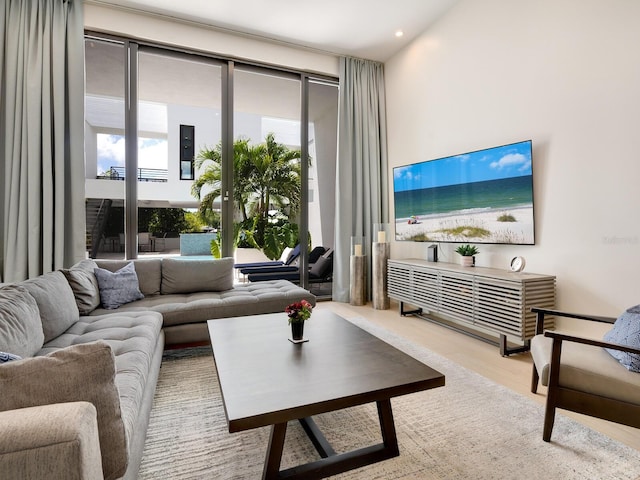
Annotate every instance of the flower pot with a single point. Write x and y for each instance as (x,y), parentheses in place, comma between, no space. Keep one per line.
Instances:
(297,330)
(467,261)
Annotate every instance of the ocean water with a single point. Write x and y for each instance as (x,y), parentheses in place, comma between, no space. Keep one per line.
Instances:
(465,198)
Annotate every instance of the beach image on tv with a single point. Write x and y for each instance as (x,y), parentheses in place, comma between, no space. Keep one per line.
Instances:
(484,196)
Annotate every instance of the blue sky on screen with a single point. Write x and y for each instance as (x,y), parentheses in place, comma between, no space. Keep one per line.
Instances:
(491,164)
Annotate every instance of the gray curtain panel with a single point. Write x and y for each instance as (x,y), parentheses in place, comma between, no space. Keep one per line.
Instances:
(42,213)
(362,171)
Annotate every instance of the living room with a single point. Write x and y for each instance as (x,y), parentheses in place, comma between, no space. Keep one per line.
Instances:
(490,73)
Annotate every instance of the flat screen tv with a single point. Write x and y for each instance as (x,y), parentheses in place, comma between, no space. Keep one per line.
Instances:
(484,196)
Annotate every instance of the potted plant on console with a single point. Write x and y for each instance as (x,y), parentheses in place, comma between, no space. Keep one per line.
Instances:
(298,313)
(467,253)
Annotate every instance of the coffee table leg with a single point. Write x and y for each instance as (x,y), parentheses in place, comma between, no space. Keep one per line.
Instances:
(389,438)
(274,451)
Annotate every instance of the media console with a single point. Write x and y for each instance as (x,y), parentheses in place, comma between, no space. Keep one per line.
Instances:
(488,301)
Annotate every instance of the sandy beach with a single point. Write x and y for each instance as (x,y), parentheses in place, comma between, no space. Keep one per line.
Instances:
(481,227)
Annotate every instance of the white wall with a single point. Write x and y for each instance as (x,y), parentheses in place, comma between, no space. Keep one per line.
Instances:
(190,35)
(566,74)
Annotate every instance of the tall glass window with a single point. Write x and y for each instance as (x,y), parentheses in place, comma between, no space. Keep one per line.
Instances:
(187,129)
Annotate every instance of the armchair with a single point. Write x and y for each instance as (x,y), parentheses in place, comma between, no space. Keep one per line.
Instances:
(582,376)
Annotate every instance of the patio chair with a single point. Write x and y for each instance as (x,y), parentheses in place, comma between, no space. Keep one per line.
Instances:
(320,269)
(582,376)
(288,257)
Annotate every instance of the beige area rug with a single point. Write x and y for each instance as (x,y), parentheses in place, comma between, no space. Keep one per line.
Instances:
(470,429)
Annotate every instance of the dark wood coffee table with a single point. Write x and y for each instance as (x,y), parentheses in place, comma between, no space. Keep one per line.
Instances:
(267,380)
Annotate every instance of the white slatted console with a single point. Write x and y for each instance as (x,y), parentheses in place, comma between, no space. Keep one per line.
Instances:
(485,300)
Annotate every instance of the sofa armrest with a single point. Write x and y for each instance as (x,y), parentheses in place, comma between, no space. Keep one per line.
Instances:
(51,441)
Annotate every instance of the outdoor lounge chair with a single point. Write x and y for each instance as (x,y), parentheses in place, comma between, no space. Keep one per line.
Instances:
(290,257)
(320,269)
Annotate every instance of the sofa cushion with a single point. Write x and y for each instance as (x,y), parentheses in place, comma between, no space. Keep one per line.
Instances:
(118,288)
(79,373)
(183,275)
(57,305)
(149,272)
(626,331)
(133,338)
(84,284)
(20,326)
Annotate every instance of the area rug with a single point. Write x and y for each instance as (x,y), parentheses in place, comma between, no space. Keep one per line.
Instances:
(470,429)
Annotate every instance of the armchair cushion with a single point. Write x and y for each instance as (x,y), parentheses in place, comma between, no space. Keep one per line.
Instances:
(83,372)
(20,326)
(626,331)
(587,368)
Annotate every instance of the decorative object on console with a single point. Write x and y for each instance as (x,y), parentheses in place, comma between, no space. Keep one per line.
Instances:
(380,251)
(432,253)
(298,313)
(467,253)
(357,282)
(517,264)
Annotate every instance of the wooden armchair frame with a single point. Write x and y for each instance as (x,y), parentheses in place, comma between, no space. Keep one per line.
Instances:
(571,399)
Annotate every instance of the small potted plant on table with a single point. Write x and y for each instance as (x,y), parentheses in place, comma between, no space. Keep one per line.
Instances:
(298,313)
(467,253)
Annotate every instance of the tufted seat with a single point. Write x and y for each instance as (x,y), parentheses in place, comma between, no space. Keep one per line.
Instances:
(133,338)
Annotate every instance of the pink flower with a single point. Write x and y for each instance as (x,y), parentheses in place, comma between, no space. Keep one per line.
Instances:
(299,311)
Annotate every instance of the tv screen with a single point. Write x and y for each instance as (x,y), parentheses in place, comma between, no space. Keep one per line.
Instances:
(484,196)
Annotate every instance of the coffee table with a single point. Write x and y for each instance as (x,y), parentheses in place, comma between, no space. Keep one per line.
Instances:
(267,380)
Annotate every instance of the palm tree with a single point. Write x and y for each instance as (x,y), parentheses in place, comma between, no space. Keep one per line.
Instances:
(265,175)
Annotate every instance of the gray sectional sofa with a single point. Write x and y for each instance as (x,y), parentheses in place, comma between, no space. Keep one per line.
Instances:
(77,404)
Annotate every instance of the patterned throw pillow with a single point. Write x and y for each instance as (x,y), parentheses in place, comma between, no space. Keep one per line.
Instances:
(626,331)
(8,357)
(118,288)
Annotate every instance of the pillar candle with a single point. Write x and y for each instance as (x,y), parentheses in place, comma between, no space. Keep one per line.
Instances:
(382,237)
(357,250)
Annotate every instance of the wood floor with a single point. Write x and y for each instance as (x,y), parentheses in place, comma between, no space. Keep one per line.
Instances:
(513,372)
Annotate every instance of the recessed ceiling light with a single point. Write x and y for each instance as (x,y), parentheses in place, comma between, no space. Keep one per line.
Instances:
(399,33)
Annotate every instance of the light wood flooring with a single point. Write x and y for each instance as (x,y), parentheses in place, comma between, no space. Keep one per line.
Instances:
(514,372)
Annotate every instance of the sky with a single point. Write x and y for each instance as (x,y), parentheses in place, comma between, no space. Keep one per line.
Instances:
(512,160)
(152,152)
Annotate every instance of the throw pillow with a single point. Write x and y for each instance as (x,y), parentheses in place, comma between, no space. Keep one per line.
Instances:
(8,357)
(57,305)
(118,288)
(183,275)
(20,326)
(321,267)
(83,372)
(84,285)
(626,331)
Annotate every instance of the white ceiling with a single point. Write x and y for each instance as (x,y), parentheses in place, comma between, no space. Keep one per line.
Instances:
(359,28)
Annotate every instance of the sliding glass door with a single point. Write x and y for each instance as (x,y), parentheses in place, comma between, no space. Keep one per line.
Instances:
(182,144)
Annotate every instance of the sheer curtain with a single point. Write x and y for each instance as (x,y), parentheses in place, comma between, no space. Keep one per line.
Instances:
(362,172)
(42,213)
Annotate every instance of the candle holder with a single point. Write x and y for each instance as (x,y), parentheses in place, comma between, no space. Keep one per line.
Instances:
(357,265)
(380,251)
(381,233)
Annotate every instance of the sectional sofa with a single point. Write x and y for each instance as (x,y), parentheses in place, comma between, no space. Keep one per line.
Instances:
(82,353)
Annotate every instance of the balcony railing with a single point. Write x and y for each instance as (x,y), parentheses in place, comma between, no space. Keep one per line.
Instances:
(144,174)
